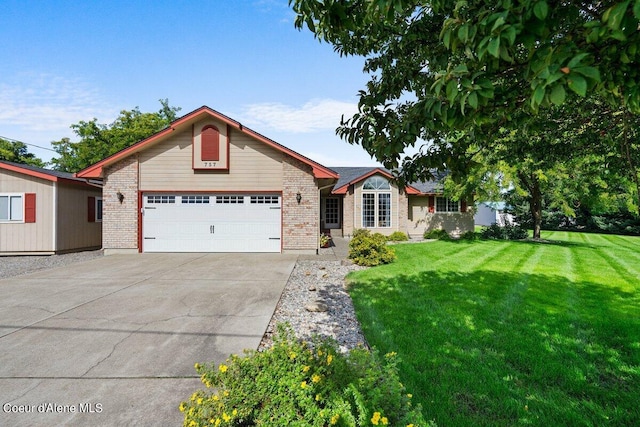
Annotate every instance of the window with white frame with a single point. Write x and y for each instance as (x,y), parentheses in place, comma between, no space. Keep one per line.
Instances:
(445,204)
(376,203)
(11,207)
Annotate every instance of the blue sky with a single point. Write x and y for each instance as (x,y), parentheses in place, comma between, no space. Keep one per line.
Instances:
(66,61)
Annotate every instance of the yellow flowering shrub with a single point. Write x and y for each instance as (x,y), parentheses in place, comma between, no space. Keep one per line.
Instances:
(295,384)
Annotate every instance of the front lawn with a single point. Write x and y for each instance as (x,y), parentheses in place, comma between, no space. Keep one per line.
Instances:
(495,333)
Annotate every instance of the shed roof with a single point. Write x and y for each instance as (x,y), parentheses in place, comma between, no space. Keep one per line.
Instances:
(48,174)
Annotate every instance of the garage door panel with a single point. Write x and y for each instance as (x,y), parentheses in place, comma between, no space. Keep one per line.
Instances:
(249,224)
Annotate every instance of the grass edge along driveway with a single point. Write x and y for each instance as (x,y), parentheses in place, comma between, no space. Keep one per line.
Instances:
(499,333)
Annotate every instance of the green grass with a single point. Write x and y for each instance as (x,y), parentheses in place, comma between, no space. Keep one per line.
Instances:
(495,333)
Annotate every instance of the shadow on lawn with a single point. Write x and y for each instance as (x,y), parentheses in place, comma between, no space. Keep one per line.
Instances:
(488,348)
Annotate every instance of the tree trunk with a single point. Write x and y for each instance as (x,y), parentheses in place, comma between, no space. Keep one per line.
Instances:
(532,184)
(535,203)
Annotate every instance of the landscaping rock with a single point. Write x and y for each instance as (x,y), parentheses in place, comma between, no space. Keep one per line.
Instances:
(338,322)
(316,307)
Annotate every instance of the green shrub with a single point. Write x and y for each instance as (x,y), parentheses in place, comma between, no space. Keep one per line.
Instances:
(469,235)
(292,384)
(438,234)
(506,232)
(398,236)
(370,249)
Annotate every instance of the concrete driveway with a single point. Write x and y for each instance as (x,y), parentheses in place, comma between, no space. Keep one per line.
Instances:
(115,339)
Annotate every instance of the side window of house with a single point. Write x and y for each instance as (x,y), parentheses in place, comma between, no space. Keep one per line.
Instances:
(444,204)
(376,203)
(98,209)
(94,209)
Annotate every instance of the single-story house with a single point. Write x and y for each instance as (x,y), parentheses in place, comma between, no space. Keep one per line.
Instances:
(43,212)
(489,213)
(206,183)
(368,197)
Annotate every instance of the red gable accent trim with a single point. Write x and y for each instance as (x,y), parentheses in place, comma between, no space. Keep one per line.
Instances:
(95,170)
(343,189)
(210,144)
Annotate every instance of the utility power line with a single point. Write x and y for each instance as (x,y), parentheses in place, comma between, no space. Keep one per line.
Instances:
(26,143)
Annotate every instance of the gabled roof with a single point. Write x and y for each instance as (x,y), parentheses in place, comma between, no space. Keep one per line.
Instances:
(48,174)
(352,175)
(95,170)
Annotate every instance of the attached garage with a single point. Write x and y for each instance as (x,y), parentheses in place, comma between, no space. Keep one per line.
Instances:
(207,183)
(211,223)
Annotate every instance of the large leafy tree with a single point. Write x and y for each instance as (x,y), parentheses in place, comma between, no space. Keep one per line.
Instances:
(564,157)
(442,65)
(17,152)
(98,141)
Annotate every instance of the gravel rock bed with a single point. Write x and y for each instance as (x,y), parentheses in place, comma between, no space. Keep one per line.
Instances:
(11,266)
(318,285)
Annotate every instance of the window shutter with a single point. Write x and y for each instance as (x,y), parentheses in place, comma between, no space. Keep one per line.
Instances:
(91,209)
(463,205)
(30,207)
(432,202)
(210,144)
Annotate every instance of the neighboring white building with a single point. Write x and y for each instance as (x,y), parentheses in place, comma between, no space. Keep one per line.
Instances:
(488,213)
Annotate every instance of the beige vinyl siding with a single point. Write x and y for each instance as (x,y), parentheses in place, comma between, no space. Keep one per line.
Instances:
(35,237)
(420,220)
(74,229)
(253,166)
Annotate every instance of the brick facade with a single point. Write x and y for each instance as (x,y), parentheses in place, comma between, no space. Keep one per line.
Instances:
(120,220)
(300,221)
(403,211)
(348,209)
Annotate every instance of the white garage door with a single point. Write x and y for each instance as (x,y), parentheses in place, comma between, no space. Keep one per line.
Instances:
(211,223)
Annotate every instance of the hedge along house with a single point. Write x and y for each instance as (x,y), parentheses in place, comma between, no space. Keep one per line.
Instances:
(44,212)
(368,197)
(206,183)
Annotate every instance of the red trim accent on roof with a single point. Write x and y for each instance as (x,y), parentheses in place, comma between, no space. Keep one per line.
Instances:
(343,189)
(95,170)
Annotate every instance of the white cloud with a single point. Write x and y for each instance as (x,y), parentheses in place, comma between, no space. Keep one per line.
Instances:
(46,102)
(315,115)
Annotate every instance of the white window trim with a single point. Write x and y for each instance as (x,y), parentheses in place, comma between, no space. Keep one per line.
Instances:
(9,220)
(446,199)
(376,208)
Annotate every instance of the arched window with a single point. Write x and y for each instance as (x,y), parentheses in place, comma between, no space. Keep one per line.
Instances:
(376,203)
(376,183)
(210,144)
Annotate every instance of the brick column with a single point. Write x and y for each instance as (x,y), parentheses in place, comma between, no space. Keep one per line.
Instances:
(300,221)
(120,220)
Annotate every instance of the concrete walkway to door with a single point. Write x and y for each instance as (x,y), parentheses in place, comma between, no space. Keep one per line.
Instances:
(113,341)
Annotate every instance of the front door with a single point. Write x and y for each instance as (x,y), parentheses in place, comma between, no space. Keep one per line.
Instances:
(332,212)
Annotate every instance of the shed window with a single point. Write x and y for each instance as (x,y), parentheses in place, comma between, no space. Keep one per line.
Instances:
(11,207)
(210,144)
